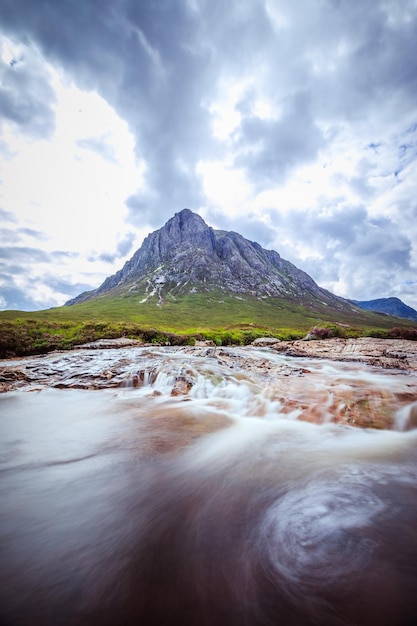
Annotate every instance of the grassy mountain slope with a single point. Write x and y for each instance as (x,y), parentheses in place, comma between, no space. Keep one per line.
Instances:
(223,318)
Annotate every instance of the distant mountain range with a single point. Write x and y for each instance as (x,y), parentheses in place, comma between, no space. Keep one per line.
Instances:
(187,257)
(389,306)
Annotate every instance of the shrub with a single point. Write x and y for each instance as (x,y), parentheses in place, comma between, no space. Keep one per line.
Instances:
(403,333)
(378,333)
(319,332)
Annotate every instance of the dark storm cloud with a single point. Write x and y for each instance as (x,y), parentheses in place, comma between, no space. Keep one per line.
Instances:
(381,70)
(270,149)
(366,254)
(62,285)
(342,225)
(349,232)
(87,38)
(141,57)
(359,56)
(125,245)
(23,253)
(384,244)
(157,63)
(329,64)
(26,96)
(15,298)
(167,86)
(20,282)
(160,64)
(123,248)
(9,269)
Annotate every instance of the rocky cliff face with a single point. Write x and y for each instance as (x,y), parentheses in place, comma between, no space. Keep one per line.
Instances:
(186,256)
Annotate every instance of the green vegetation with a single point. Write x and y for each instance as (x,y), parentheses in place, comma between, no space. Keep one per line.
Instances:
(224,319)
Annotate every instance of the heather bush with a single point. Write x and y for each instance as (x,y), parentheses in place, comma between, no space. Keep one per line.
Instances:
(403,333)
(319,332)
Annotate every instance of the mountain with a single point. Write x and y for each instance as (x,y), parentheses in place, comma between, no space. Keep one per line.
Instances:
(389,306)
(186,256)
(187,275)
(189,282)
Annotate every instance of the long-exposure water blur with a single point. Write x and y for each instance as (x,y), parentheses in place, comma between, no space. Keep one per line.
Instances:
(178,487)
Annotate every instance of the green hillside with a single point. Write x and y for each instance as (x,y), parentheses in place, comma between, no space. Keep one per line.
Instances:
(226,319)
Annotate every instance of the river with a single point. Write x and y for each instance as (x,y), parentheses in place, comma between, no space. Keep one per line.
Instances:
(172,486)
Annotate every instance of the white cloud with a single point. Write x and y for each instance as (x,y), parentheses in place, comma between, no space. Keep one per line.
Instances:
(225,187)
(73,197)
(65,191)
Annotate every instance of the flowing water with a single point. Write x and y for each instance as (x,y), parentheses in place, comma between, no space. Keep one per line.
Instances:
(174,488)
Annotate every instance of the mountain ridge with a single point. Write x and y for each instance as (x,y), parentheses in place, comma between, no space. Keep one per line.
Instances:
(389,306)
(186,255)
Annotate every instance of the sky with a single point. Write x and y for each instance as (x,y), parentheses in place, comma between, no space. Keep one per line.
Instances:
(292,122)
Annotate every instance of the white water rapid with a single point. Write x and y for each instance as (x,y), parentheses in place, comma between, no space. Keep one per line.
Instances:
(165,487)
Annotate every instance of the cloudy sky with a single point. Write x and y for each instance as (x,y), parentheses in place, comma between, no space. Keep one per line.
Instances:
(293,122)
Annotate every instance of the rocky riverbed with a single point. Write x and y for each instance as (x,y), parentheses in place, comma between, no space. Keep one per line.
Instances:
(360,382)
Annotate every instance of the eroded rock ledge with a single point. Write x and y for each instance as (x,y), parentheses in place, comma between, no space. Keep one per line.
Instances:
(388,353)
(368,383)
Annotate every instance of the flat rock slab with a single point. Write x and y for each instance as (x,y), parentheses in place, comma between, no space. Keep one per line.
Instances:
(388,353)
(265,341)
(120,342)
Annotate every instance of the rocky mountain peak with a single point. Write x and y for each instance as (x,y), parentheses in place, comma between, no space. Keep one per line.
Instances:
(185,223)
(186,255)
(185,229)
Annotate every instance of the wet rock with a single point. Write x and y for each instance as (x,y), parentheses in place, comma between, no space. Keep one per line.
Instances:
(120,342)
(202,349)
(210,353)
(182,386)
(265,341)
(387,353)
(11,378)
(412,418)
(140,379)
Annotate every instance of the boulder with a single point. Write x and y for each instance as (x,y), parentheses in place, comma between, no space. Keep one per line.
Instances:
(265,341)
